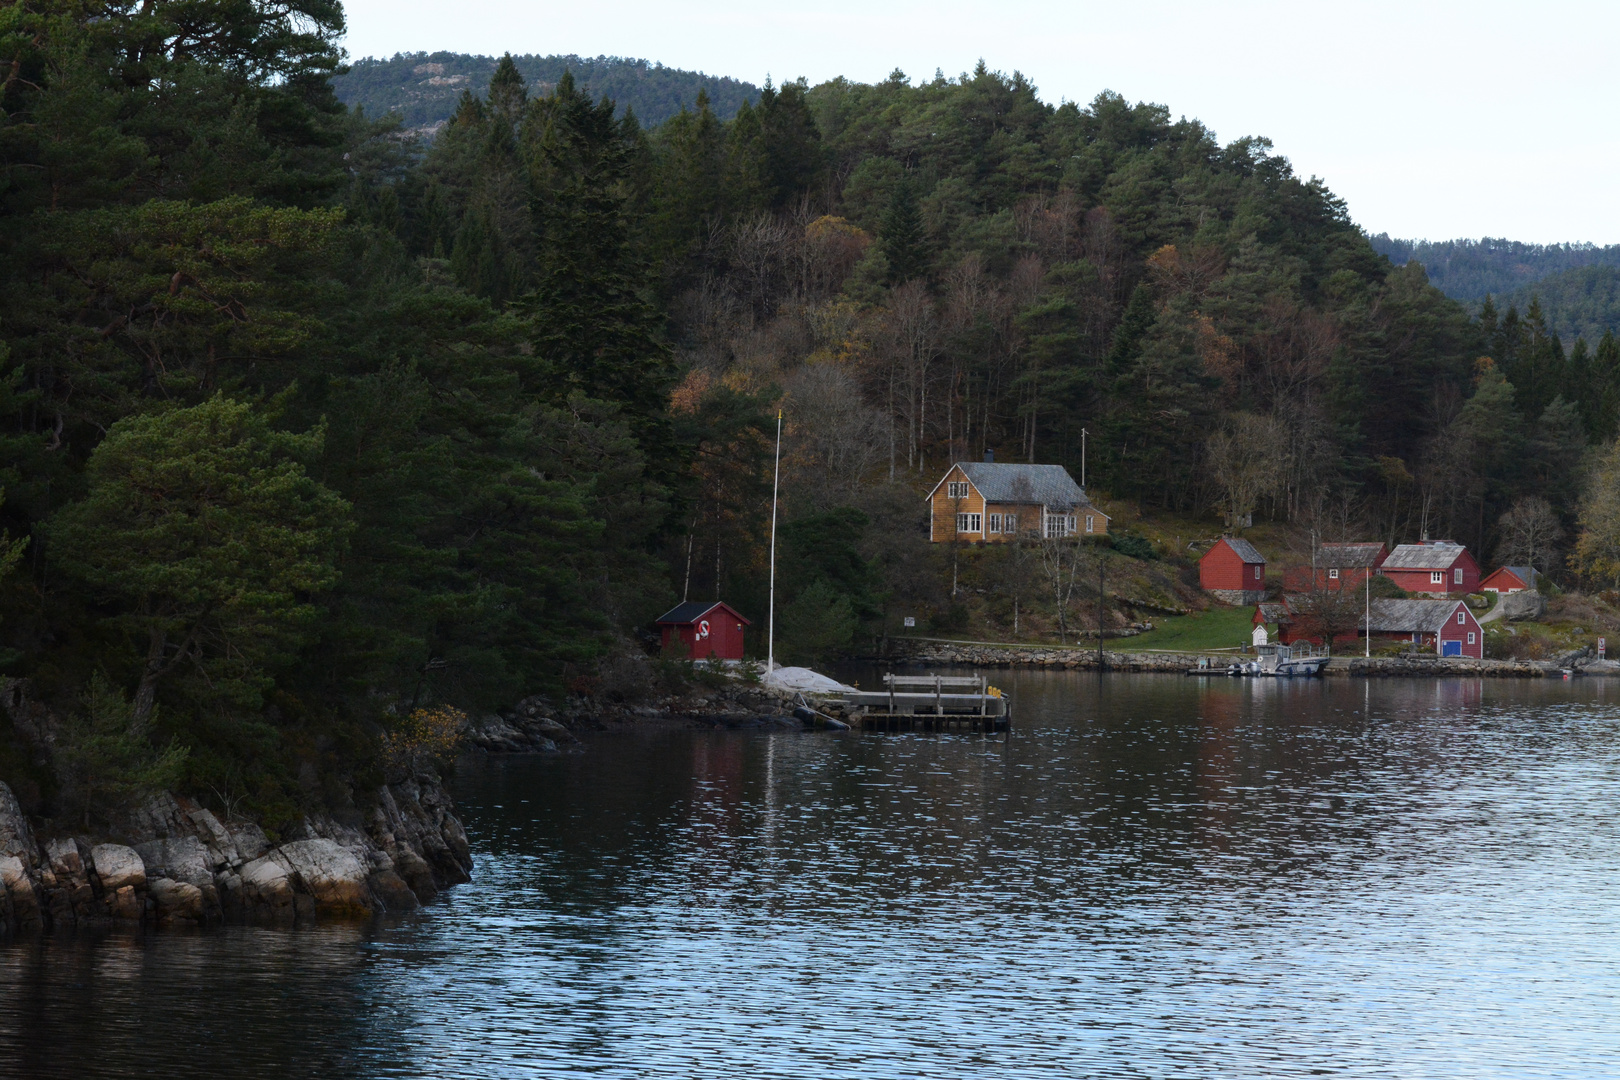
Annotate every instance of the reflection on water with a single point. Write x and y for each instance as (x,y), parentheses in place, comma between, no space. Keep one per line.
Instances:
(1152,876)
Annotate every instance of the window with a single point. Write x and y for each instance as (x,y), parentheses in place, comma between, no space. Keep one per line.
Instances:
(1457,575)
(1009,523)
(1470,637)
(1437,577)
(1333,574)
(1055,525)
(1259,573)
(995,523)
(967,523)
(957,490)
(1069,526)
(1091,523)
(1460,618)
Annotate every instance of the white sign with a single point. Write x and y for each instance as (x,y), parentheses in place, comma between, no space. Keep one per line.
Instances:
(1603,645)
(911,620)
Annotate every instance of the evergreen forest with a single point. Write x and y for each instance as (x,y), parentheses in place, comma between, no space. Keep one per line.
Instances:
(308,422)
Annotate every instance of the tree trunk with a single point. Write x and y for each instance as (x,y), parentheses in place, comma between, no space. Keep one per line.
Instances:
(146,693)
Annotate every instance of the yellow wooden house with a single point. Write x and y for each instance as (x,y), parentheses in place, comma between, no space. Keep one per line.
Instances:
(983,502)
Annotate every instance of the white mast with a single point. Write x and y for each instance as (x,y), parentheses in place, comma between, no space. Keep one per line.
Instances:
(770,625)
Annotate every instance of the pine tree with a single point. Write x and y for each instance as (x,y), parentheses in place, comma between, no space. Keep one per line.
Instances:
(904,244)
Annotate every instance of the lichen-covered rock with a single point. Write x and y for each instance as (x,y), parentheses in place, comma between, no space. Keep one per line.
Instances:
(266,889)
(331,875)
(182,858)
(117,866)
(177,901)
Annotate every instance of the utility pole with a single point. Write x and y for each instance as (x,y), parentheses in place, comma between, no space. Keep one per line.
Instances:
(1366,611)
(770,629)
(1102,663)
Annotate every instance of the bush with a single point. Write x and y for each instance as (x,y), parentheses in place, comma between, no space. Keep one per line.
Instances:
(1133,546)
(428,738)
(105,761)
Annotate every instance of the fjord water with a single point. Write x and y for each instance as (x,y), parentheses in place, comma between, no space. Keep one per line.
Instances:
(1150,877)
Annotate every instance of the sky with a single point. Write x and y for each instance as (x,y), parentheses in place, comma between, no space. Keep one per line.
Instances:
(1432,120)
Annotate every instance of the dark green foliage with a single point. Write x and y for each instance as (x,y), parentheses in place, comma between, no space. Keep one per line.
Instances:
(1133,546)
(423,88)
(903,242)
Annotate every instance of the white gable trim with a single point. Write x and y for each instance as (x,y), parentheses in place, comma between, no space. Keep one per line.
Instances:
(956,466)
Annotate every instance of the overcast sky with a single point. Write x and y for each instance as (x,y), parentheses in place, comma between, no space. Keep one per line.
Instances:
(1431,119)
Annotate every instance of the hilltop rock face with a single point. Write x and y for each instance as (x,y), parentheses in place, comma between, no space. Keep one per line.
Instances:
(181,865)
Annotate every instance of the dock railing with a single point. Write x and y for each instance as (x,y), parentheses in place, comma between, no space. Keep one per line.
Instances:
(977,684)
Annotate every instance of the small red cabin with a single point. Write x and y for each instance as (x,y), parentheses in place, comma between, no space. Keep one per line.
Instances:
(1510,579)
(707,629)
(1445,626)
(1437,567)
(1233,571)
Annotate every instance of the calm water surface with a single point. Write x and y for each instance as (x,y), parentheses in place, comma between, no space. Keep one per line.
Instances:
(1152,877)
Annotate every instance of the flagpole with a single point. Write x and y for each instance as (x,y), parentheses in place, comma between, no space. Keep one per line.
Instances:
(770,627)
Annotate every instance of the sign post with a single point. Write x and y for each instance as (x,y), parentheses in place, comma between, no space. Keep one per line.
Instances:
(1603,646)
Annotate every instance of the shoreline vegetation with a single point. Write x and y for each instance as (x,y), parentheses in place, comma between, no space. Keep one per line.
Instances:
(322,442)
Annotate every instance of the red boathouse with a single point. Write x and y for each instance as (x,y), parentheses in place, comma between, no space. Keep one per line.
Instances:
(706,628)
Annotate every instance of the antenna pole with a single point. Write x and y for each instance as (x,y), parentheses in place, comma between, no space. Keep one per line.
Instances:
(770,624)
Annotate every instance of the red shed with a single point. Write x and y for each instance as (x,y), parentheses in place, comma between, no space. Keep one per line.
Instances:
(706,628)
(1233,571)
(1446,626)
(1510,579)
(1433,566)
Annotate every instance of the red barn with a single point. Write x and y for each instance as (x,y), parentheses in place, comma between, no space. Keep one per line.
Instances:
(1233,571)
(706,628)
(1446,626)
(1338,566)
(1433,566)
(1510,579)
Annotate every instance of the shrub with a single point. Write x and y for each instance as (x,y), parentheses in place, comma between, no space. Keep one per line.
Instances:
(428,738)
(1133,546)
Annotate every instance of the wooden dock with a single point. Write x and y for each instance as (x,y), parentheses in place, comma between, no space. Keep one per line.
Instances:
(929,703)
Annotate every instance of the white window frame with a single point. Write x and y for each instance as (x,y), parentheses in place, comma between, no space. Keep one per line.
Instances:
(1056,526)
(1009,523)
(1457,576)
(1259,573)
(968,523)
(1333,573)
(1460,620)
(995,523)
(1091,523)
(1437,577)
(1470,637)
(958,489)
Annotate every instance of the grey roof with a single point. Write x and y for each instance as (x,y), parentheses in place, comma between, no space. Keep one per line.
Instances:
(1435,556)
(1526,574)
(1343,556)
(1048,485)
(1244,549)
(693,610)
(1274,612)
(1406,616)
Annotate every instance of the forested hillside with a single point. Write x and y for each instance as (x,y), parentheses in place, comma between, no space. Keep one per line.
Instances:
(1579,303)
(1471,269)
(423,88)
(308,425)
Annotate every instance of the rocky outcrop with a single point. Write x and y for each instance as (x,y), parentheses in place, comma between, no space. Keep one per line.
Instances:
(181,865)
(527,728)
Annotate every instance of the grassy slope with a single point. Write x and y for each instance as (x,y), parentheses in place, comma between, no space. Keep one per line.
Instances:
(1218,628)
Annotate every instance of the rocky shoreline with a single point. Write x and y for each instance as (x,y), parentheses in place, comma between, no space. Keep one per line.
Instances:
(177,864)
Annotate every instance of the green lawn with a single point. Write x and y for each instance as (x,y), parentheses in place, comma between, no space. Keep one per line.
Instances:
(1217,628)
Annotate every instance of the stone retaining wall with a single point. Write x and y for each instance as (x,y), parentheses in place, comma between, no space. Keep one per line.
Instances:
(1008,656)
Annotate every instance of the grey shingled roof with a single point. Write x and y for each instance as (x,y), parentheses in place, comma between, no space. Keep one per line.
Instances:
(1438,556)
(1406,616)
(1526,574)
(1348,556)
(693,610)
(1274,612)
(1244,549)
(1049,485)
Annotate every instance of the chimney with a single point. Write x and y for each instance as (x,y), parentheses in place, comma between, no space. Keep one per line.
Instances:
(990,456)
